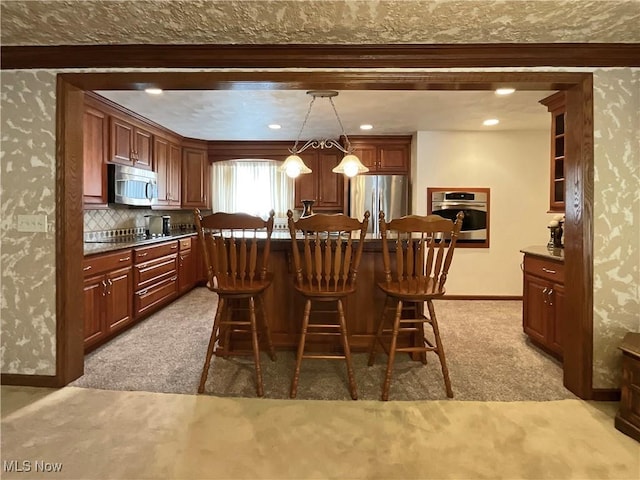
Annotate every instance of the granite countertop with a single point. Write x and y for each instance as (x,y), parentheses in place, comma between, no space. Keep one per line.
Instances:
(91,248)
(556,254)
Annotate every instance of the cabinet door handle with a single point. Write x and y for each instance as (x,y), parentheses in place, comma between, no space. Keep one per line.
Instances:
(143,292)
(143,254)
(549,294)
(104,288)
(545,292)
(124,259)
(109,283)
(88,267)
(548,271)
(173,247)
(174,278)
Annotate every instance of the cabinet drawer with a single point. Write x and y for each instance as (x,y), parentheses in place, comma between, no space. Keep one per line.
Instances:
(106,261)
(185,243)
(147,273)
(155,296)
(143,254)
(540,267)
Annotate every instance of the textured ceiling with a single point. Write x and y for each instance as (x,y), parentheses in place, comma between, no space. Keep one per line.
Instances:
(245,115)
(49,22)
(233,115)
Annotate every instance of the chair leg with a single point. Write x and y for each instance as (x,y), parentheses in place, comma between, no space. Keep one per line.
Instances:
(227,332)
(256,347)
(303,336)
(377,338)
(347,352)
(392,352)
(212,343)
(440,349)
(267,330)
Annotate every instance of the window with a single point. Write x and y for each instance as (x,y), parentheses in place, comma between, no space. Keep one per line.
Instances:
(251,186)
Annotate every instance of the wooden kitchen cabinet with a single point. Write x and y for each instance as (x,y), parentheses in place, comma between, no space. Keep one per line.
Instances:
(195,175)
(384,154)
(628,417)
(95,153)
(186,266)
(155,277)
(131,143)
(108,284)
(543,302)
(556,104)
(322,186)
(167,163)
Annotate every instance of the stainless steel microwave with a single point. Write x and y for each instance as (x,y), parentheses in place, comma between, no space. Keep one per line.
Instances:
(132,186)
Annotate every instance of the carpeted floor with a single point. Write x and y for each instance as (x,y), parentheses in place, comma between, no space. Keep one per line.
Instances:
(489,358)
(100,434)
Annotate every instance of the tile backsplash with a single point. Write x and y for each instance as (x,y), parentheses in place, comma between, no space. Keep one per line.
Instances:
(117,221)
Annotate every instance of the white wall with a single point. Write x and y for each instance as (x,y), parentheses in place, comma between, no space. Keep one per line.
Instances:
(515,166)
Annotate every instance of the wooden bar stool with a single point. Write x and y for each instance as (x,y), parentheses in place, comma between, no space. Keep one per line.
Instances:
(416,254)
(326,272)
(236,271)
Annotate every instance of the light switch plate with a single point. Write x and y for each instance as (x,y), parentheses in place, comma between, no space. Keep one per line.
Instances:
(32,223)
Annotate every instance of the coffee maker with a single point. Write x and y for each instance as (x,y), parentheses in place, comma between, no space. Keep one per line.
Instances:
(166,225)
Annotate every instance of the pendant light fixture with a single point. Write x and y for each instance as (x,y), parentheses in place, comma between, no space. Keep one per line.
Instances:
(350,164)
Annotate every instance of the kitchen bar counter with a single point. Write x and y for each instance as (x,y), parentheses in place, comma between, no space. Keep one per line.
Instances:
(280,240)
(283,304)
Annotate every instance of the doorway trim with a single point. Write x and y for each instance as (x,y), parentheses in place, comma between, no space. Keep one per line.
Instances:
(578,356)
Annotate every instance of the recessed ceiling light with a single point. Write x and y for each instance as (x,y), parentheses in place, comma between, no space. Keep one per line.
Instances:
(275,126)
(366,126)
(505,91)
(490,122)
(153,91)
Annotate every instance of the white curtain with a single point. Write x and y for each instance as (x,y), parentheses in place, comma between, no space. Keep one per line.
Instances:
(251,186)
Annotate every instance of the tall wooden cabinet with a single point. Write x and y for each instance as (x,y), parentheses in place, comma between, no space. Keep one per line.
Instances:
(543,302)
(95,153)
(195,174)
(556,104)
(167,163)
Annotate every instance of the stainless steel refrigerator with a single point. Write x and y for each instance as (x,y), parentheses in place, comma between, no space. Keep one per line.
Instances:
(376,193)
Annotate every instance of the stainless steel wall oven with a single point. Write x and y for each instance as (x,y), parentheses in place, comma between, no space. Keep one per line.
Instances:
(475,205)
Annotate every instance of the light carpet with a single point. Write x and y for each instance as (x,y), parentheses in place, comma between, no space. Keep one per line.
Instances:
(100,434)
(489,359)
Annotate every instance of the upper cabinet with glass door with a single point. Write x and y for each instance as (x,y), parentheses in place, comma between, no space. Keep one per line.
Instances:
(556,104)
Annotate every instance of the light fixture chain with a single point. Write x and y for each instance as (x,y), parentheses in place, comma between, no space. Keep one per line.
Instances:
(295,145)
(346,138)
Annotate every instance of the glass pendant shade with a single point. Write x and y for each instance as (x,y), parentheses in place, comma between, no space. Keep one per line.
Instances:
(293,166)
(350,166)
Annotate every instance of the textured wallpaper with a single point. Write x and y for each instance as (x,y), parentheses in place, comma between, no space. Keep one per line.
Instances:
(320,21)
(616,269)
(28,260)
(28,185)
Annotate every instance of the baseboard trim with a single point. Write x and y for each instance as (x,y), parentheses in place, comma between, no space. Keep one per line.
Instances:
(29,380)
(481,297)
(605,394)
